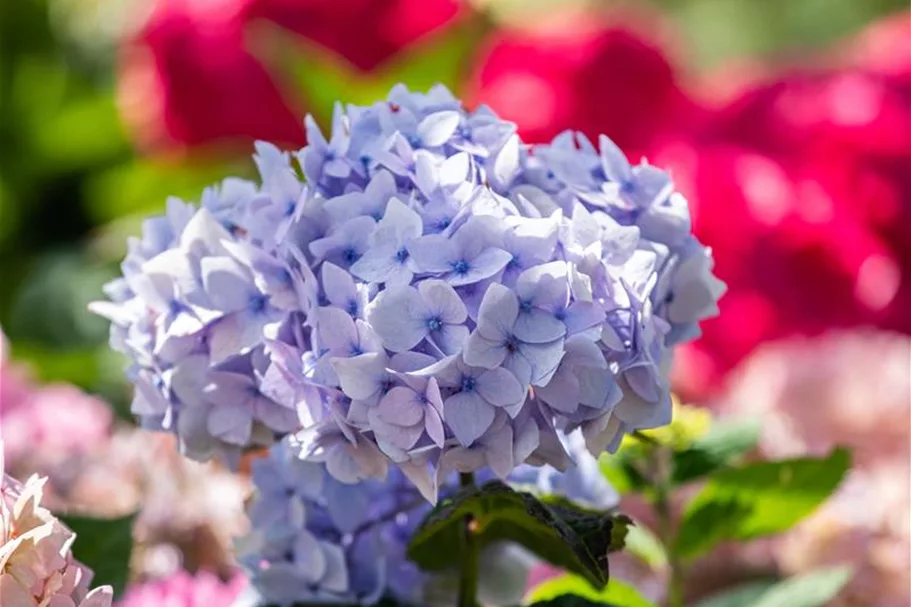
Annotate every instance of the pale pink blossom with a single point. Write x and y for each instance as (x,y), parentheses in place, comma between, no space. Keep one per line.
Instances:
(37,568)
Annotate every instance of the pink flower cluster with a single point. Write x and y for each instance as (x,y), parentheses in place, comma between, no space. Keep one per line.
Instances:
(182,589)
(188,512)
(813,395)
(37,568)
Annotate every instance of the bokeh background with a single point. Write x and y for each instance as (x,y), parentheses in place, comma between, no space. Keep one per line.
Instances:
(787,124)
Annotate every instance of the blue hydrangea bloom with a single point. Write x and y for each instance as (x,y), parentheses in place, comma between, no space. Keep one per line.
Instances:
(417,287)
(314,539)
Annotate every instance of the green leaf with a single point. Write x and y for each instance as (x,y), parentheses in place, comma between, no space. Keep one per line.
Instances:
(319,78)
(814,589)
(644,544)
(758,499)
(744,595)
(577,540)
(105,546)
(615,593)
(725,442)
(571,600)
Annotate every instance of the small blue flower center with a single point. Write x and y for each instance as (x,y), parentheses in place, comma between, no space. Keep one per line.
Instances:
(550,174)
(330,155)
(468,384)
(444,223)
(401,255)
(461,267)
(525,306)
(365,160)
(258,303)
(435,323)
(356,350)
(627,187)
(351,308)
(414,141)
(560,314)
(349,255)
(464,132)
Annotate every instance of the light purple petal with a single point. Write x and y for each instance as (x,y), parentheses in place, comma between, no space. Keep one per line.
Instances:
(468,415)
(231,422)
(434,253)
(437,128)
(450,338)
(274,415)
(434,426)
(234,334)
(614,161)
(537,326)
(498,312)
(228,284)
(337,330)
(442,300)
(377,263)
(499,452)
(543,358)
(499,387)
(398,315)
(487,263)
(401,221)
(482,352)
(400,406)
(360,377)
(338,285)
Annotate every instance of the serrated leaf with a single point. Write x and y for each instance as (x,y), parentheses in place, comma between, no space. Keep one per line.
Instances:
(616,593)
(758,499)
(105,546)
(724,443)
(573,538)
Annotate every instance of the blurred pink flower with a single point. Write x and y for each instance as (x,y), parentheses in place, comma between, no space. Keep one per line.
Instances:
(584,74)
(189,512)
(182,589)
(48,429)
(37,568)
(849,389)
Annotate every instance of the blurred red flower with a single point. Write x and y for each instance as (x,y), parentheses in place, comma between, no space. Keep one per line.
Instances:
(189,77)
(364,32)
(802,186)
(582,74)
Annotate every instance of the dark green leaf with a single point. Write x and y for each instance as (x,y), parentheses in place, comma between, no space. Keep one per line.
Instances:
(758,499)
(575,539)
(725,442)
(105,546)
(616,593)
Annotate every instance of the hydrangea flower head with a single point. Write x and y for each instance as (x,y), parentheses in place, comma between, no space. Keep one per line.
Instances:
(36,565)
(428,292)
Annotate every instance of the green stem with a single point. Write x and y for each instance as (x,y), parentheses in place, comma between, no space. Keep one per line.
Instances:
(468,576)
(675,587)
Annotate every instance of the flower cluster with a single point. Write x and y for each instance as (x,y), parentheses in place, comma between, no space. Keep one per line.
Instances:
(182,589)
(317,540)
(434,294)
(36,565)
